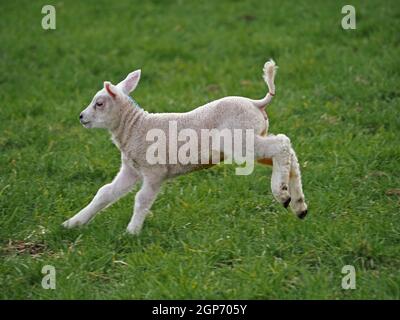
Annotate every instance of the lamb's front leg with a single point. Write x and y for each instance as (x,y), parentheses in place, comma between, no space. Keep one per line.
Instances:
(109,193)
(143,202)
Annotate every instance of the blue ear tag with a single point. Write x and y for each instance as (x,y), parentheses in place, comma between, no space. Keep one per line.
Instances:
(134,102)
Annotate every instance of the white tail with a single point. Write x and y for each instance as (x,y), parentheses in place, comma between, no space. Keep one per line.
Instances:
(269,72)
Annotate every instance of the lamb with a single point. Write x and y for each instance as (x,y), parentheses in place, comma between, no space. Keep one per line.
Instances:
(112,108)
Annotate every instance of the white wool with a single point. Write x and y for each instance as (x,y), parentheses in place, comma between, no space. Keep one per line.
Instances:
(112,109)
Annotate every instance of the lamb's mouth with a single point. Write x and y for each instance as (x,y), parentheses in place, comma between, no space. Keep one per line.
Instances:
(85,123)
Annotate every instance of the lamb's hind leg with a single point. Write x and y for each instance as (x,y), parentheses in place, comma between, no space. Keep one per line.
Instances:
(297,204)
(276,148)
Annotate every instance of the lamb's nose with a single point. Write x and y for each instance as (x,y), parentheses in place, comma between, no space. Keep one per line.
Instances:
(80,116)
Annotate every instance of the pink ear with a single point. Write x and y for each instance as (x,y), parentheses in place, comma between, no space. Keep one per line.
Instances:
(108,89)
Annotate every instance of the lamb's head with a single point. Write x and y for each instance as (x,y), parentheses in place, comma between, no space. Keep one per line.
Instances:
(105,108)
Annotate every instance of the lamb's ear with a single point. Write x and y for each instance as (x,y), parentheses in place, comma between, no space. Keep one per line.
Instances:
(111,89)
(130,82)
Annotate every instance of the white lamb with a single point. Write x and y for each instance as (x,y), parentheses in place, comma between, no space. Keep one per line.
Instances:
(113,109)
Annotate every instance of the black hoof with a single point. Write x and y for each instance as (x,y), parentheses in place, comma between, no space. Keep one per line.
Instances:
(286,203)
(302,214)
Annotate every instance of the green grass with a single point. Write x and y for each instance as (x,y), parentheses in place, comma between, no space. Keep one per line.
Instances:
(213,234)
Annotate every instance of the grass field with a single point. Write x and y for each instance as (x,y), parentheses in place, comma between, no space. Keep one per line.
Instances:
(212,234)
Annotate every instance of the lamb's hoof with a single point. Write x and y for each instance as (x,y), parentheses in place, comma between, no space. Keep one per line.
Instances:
(71,223)
(286,203)
(302,214)
(133,231)
(66,224)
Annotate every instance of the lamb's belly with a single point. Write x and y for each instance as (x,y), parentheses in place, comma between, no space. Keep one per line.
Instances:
(180,169)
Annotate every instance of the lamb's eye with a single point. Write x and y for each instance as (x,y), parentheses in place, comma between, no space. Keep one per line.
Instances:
(99,104)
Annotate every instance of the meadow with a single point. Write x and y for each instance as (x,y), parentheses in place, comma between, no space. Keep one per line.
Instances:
(212,234)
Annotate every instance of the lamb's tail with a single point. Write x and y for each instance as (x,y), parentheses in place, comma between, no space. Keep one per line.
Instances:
(269,72)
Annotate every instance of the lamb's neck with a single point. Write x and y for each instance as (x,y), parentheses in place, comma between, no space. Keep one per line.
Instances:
(130,118)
